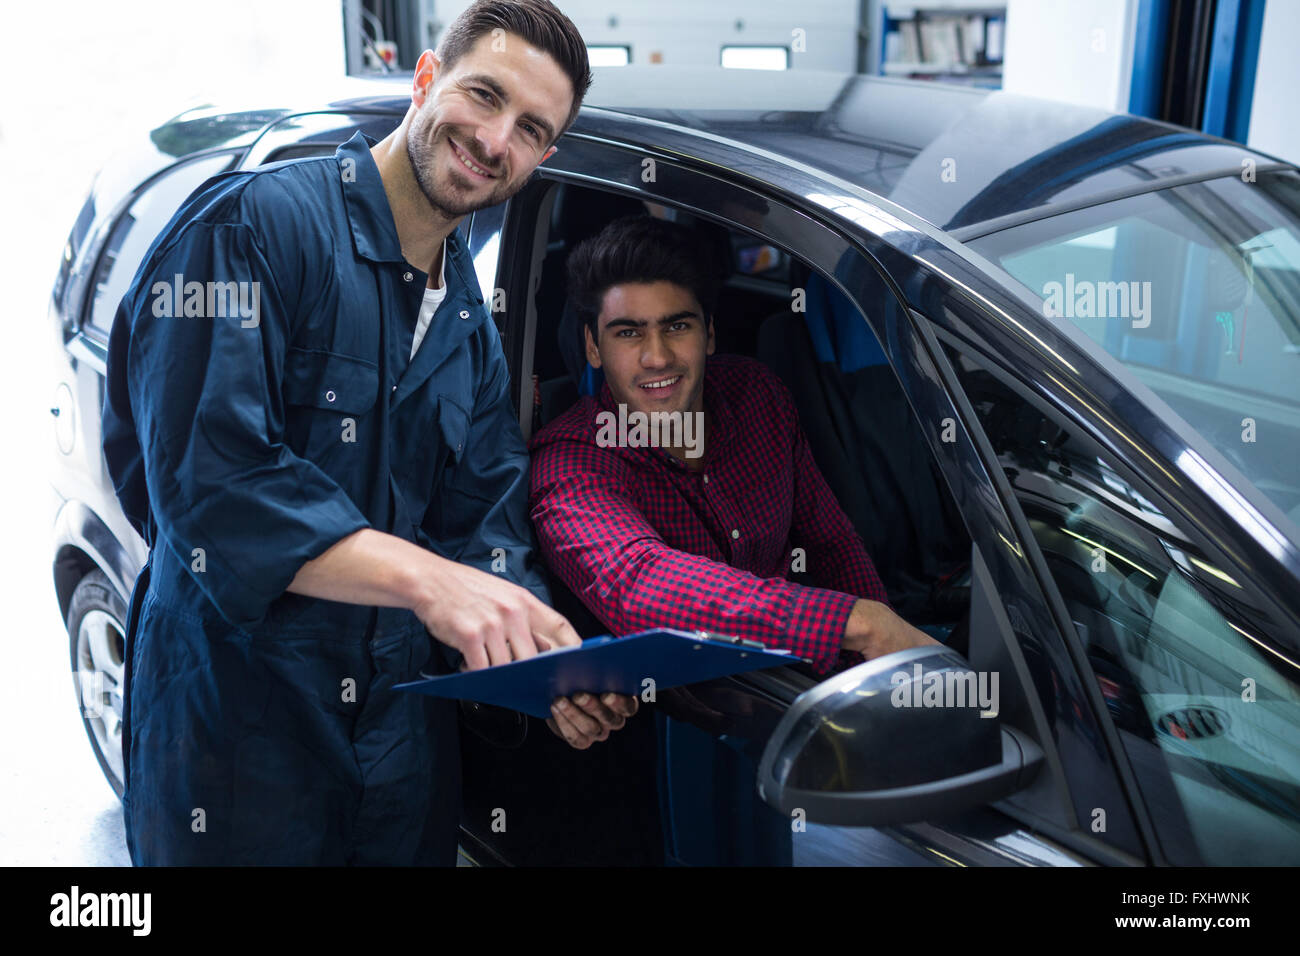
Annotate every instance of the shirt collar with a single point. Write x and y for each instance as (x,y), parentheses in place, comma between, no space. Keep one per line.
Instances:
(442,270)
(374,233)
(370,217)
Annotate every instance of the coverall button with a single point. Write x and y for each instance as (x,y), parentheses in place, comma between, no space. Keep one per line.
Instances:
(464,314)
(330,396)
(407,276)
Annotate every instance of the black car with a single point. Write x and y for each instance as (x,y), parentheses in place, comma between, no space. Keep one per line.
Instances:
(1047,358)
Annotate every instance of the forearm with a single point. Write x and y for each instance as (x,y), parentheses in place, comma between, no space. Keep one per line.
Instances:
(372,568)
(647,584)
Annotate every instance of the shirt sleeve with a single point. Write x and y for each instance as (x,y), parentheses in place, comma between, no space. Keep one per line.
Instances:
(480,515)
(598,542)
(239,508)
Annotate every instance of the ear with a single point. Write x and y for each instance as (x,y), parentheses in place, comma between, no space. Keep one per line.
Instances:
(593,353)
(426,71)
(709,350)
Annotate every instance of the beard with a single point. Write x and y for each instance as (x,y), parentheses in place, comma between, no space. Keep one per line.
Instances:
(443,195)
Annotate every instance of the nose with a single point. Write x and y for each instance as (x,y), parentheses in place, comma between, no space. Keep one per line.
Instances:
(493,137)
(655,353)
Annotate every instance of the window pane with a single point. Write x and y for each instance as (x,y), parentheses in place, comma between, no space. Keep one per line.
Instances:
(755,57)
(1208,712)
(1197,290)
(609,55)
(136,230)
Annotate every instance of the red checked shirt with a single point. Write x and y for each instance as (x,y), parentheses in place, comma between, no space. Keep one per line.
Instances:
(646,542)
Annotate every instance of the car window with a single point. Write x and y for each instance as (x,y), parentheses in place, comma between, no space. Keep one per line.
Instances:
(485,249)
(301,151)
(1207,707)
(136,229)
(1196,289)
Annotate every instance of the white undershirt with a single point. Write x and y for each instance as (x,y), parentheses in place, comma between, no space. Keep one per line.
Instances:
(432,299)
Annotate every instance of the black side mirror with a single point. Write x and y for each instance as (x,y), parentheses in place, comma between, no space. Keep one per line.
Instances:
(903,738)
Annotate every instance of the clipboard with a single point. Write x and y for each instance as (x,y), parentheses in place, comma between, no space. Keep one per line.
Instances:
(601,664)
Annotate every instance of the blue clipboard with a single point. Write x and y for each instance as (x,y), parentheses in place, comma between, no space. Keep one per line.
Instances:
(601,664)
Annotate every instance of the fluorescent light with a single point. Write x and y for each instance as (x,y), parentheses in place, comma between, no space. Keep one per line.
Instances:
(755,57)
(609,55)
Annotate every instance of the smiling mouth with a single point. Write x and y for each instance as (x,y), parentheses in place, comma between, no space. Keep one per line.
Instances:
(661,383)
(469,163)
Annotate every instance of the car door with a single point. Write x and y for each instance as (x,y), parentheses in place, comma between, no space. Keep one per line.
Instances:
(708,738)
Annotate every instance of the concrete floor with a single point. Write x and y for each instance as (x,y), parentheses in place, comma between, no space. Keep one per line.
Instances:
(56,808)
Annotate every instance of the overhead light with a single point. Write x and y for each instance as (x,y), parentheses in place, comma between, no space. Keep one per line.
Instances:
(605,55)
(756,57)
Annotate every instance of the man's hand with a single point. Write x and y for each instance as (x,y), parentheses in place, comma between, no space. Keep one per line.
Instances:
(488,619)
(584,719)
(874,630)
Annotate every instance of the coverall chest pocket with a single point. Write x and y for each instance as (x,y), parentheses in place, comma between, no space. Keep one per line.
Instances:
(453,421)
(328,397)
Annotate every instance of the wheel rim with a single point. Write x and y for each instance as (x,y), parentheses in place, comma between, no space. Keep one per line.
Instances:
(101,670)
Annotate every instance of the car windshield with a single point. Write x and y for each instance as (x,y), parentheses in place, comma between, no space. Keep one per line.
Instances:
(1196,289)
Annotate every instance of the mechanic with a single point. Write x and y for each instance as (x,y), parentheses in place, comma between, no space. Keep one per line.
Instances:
(652,537)
(326,487)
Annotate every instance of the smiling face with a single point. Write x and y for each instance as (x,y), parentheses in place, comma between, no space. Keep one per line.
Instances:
(481,126)
(652,342)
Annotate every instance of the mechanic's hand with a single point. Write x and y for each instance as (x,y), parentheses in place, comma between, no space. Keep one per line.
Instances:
(584,719)
(488,619)
(874,630)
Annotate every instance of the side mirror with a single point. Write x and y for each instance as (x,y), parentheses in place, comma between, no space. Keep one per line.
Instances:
(903,738)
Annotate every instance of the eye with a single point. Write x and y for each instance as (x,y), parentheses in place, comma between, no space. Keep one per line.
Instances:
(625,333)
(681,326)
(531,131)
(487,96)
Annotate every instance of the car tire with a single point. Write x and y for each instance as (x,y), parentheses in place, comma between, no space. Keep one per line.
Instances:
(97,642)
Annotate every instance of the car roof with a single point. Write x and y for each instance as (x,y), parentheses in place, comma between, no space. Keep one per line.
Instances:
(965,160)
(952,155)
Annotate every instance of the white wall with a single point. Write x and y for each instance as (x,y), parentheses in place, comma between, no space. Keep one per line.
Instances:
(75,80)
(1275,116)
(692,32)
(88,73)
(1079,52)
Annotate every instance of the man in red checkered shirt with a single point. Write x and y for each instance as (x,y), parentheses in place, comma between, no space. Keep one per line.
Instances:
(702,531)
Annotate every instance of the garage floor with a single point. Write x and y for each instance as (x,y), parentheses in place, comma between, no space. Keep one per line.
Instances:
(56,809)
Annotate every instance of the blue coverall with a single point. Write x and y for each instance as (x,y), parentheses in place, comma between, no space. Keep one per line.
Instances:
(260,725)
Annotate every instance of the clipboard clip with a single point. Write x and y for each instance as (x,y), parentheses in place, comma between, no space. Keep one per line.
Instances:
(729,639)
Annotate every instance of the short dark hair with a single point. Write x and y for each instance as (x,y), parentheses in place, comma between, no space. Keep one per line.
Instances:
(539,23)
(640,249)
